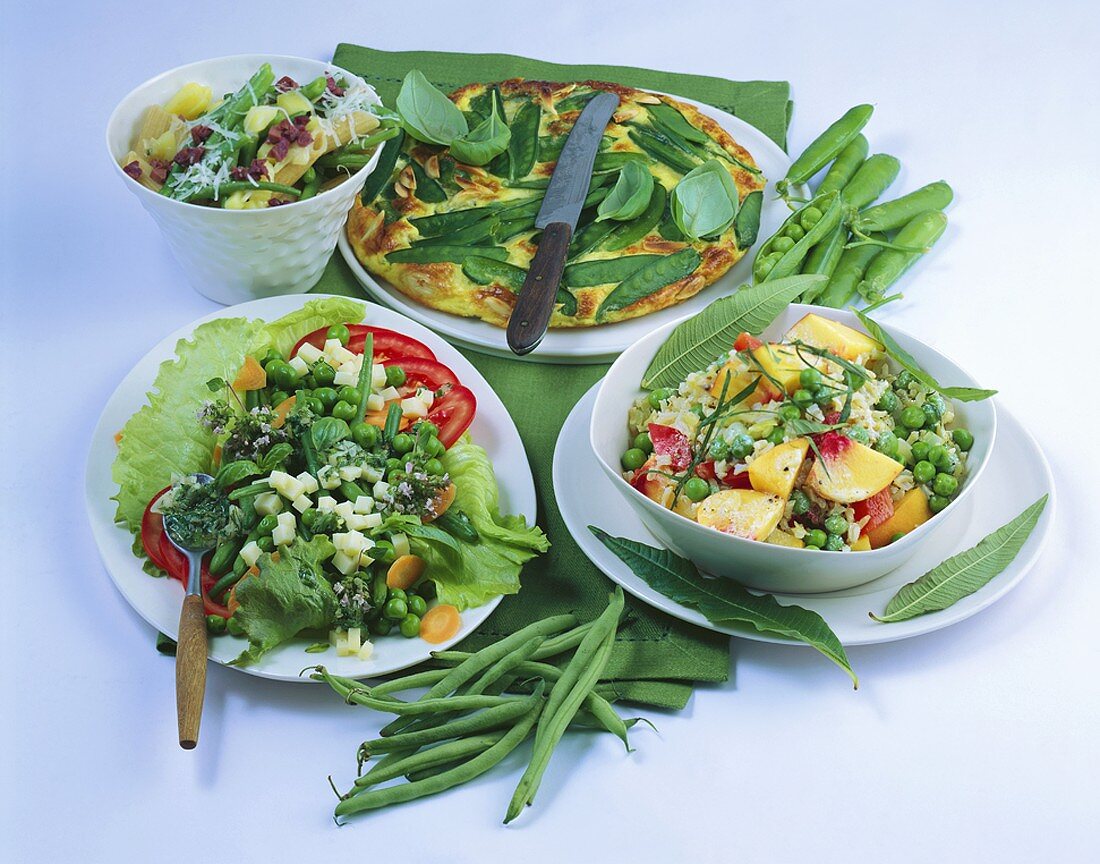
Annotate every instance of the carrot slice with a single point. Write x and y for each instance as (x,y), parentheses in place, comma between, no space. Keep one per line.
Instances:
(378,418)
(405,572)
(443,499)
(439,624)
(252,375)
(281,410)
(118,437)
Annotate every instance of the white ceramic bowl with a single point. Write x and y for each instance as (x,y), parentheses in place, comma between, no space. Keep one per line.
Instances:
(232,256)
(766,566)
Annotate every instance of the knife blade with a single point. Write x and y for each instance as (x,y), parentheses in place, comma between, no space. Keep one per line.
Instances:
(557,217)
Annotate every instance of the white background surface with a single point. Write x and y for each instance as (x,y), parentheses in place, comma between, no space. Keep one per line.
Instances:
(975,743)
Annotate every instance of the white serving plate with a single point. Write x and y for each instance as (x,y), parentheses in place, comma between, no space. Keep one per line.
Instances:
(158,600)
(1017,475)
(605,342)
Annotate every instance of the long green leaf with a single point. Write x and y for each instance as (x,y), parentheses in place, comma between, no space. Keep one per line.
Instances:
(695,343)
(723,601)
(908,362)
(963,574)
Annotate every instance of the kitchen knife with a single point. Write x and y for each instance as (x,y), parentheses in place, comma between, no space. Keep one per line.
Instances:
(557,218)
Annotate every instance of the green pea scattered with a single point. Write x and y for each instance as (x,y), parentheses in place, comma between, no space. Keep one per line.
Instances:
(272,354)
(931,415)
(904,379)
(941,457)
(410,626)
(279,396)
(435,447)
(803,398)
(924,472)
(937,502)
(858,433)
(343,411)
(795,231)
(887,445)
(919,449)
(945,485)
(365,435)
(215,625)
(381,626)
(643,442)
(428,428)
(913,417)
(789,412)
(776,436)
(417,605)
(809,378)
(327,396)
(395,609)
(633,459)
(348,394)
(309,518)
(434,467)
(836,524)
(323,374)
(282,374)
(696,489)
(800,503)
(963,438)
(403,442)
(395,376)
(834,543)
(741,445)
(658,396)
(340,332)
(888,401)
(233,626)
(816,538)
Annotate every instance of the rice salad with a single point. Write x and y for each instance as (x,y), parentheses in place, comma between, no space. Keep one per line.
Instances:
(812,442)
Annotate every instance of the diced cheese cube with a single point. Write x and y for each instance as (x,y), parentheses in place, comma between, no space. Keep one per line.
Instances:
(342,355)
(388,394)
(365,651)
(331,345)
(341,643)
(350,472)
(372,520)
(251,553)
(310,353)
(381,488)
(299,365)
(400,544)
(343,509)
(276,478)
(282,535)
(413,407)
(345,563)
(329,477)
(378,376)
(302,503)
(375,402)
(357,522)
(291,488)
(286,520)
(426,396)
(371,474)
(267,502)
(346,376)
(326,503)
(309,482)
(339,539)
(363,504)
(353,640)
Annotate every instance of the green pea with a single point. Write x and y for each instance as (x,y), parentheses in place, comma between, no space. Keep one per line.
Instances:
(428,428)
(789,412)
(434,468)
(365,435)
(904,379)
(937,502)
(963,439)
(309,518)
(338,331)
(658,396)
(348,394)
(696,489)
(858,433)
(741,445)
(233,626)
(913,417)
(834,543)
(417,605)
(633,459)
(643,442)
(395,376)
(315,405)
(809,378)
(888,401)
(267,524)
(795,231)
(935,403)
(817,538)
(919,449)
(945,485)
(782,244)
(803,398)
(396,608)
(215,625)
(381,626)
(888,445)
(410,626)
(720,449)
(762,266)
(810,217)
(282,374)
(800,503)
(382,551)
(931,415)
(327,397)
(343,411)
(279,396)
(402,442)
(776,436)
(896,537)
(924,471)
(823,395)
(941,458)
(323,374)
(836,524)
(272,354)
(394,465)
(435,447)
(266,543)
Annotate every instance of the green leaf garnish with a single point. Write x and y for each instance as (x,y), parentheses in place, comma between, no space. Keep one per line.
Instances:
(963,574)
(215,385)
(484,142)
(723,601)
(705,201)
(630,195)
(426,112)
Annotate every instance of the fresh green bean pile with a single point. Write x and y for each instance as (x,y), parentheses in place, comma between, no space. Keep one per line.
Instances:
(480,707)
(863,249)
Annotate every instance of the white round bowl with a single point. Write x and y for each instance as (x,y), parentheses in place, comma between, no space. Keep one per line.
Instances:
(766,566)
(232,256)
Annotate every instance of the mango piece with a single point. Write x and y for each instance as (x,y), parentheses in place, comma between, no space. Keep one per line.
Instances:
(782,363)
(910,512)
(190,101)
(743,512)
(841,340)
(782,538)
(774,471)
(848,471)
(863,544)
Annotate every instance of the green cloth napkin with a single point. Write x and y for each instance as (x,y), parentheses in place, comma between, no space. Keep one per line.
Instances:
(656,657)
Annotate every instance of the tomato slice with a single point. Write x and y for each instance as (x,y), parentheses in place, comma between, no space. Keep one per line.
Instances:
(420,372)
(453,413)
(387,343)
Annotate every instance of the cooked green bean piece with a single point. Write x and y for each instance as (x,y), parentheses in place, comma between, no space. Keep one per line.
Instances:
(441,754)
(870,181)
(826,147)
(885,269)
(209,193)
(311,182)
(845,166)
(393,422)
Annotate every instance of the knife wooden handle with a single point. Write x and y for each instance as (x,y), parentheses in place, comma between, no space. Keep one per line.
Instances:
(535,305)
(190,670)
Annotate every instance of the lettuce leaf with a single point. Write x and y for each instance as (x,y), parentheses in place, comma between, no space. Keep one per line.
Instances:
(287,596)
(283,333)
(470,574)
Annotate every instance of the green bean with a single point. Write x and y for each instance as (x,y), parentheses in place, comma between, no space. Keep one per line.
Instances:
(393,422)
(311,182)
(628,233)
(847,275)
(475,767)
(384,170)
(313,90)
(256,488)
(747,224)
(441,754)
(598,706)
(790,261)
(523,146)
(222,559)
(361,695)
(886,268)
(227,581)
(568,693)
(427,189)
(870,181)
(249,145)
(209,193)
(410,682)
(350,490)
(437,254)
(364,384)
(604,271)
(659,147)
(893,214)
(563,642)
(358,153)
(650,279)
(427,773)
(826,147)
(823,259)
(844,166)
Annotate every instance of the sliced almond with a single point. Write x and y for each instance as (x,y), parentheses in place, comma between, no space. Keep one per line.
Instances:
(432,167)
(647,99)
(406,178)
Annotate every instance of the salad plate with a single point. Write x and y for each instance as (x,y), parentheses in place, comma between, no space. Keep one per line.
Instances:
(157,600)
(1017,474)
(605,342)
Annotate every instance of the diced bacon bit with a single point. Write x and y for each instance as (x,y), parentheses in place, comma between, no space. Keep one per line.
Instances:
(189,156)
(287,132)
(286,83)
(256,171)
(332,87)
(276,202)
(133,169)
(671,442)
(159,170)
(200,133)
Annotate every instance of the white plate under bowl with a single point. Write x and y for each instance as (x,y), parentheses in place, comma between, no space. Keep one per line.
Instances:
(158,600)
(607,341)
(1016,476)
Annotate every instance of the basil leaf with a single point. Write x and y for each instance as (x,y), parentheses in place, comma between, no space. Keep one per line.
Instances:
(630,195)
(327,431)
(704,202)
(695,343)
(963,574)
(723,601)
(484,142)
(909,363)
(275,457)
(426,113)
(233,473)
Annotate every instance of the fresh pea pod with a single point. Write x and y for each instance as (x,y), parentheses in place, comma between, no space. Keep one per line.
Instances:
(523,147)
(506,229)
(589,237)
(660,148)
(845,166)
(605,271)
(222,559)
(919,233)
(893,214)
(746,226)
(649,279)
(567,301)
(849,272)
(786,260)
(694,142)
(631,232)
(428,189)
(477,234)
(384,170)
(826,147)
(452,254)
(871,180)
(823,259)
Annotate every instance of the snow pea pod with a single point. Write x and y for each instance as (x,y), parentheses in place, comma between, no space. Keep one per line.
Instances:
(605,271)
(825,147)
(893,214)
(437,254)
(506,229)
(444,223)
(427,189)
(589,237)
(650,279)
(871,180)
(823,259)
(848,274)
(472,235)
(487,271)
(660,148)
(774,261)
(845,166)
(695,142)
(523,147)
(920,232)
(631,232)
(746,226)
(384,170)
